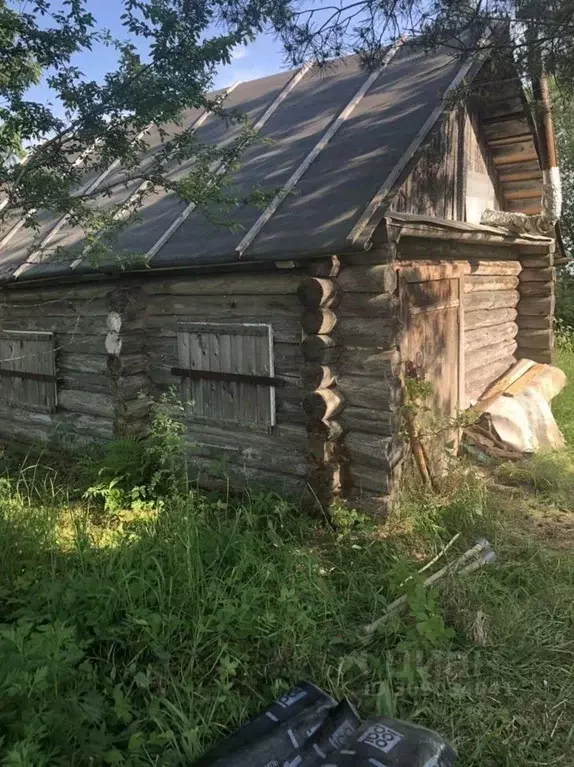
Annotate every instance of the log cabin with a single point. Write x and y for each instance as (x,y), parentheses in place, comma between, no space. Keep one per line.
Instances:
(285,338)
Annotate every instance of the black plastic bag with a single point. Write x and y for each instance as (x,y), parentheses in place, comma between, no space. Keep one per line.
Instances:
(307,728)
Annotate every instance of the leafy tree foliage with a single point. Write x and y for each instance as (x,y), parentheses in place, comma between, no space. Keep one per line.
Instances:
(536,27)
(184,43)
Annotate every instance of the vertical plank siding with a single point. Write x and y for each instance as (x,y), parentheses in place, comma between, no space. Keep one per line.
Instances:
(434,185)
(27,370)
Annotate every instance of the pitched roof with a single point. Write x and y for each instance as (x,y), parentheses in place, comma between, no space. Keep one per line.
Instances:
(342,135)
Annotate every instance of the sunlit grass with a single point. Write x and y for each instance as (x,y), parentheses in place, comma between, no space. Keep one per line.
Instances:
(138,634)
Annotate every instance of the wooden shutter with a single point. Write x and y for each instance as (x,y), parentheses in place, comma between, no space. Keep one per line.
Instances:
(227,372)
(28,369)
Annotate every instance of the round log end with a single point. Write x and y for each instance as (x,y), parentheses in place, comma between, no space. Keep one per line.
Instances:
(323,404)
(318,292)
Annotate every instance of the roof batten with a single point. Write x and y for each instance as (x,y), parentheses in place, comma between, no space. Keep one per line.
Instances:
(313,154)
(133,197)
(19,224)
(220,167)
(35,257)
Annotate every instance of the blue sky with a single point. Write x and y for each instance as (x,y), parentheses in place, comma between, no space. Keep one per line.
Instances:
(257,60)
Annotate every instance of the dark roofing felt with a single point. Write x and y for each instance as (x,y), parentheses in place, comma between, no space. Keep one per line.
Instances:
(327,201)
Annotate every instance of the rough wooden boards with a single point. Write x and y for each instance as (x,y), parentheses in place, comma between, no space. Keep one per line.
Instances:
(30,354)
(500,385)
(547,274)
(245,349)
(227,477)
(222,308)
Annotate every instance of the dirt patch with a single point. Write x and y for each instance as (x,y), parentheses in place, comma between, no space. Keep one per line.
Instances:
(536,517)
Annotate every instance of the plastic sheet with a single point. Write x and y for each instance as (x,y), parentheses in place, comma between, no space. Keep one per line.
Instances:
(307,728)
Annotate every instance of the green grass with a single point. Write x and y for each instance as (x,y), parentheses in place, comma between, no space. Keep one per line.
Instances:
(137,627)
(563,406)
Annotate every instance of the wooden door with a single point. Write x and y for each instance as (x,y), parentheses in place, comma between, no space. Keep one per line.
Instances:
(432,339)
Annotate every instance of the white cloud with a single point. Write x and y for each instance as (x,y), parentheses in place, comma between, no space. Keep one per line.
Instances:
(240,52)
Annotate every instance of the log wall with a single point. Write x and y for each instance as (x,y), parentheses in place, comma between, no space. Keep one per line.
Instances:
(508,302)
(536,306)
(228,454)
(368,377)
(336,330)
(490,311)
(100,362)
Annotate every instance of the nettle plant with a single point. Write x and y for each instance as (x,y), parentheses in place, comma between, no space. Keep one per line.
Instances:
(135,474)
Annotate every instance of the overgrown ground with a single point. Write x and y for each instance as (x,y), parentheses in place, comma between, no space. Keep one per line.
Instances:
(140,636)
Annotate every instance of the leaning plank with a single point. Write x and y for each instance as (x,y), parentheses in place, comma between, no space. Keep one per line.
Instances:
(478,380)
(501,384)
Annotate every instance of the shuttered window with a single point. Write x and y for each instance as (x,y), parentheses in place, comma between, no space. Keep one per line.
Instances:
(227,373)
(28,369)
